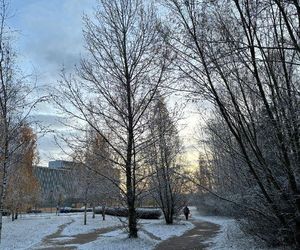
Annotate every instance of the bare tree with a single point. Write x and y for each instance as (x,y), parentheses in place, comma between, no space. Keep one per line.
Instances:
(242,56)
(163,156)
(116,83)
(23,188)
(15,106)
(95,178)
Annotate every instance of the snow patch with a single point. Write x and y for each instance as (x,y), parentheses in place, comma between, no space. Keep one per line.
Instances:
(29,230)
(231,236)
(120,241)
(92,224)
(163,231)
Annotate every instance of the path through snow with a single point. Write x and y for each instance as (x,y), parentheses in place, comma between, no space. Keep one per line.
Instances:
(47,231)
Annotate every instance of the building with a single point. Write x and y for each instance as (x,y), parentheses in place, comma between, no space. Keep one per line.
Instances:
(56,183)
(59,164)
(59,183)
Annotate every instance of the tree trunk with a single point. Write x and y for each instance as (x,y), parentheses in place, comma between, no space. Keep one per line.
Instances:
(1,221)
(93,212)
(130,171)
(132,224)
(4,187)
(132,220)
(297,224)
(169,219)
(84,219)
(103,212)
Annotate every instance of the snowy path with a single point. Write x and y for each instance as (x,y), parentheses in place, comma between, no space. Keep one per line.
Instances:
(230,236)
(196,238)
(72,234)
(47,231)
(28,230)
(49,238)
(58,241)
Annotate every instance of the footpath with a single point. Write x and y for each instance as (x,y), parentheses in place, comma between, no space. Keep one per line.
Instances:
(194,239)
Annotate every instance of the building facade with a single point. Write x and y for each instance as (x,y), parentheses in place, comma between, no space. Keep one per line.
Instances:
(56,183)
(60,184)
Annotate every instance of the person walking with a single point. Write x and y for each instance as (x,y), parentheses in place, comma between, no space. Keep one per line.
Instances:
(103,211)
(186,212)
(57,210)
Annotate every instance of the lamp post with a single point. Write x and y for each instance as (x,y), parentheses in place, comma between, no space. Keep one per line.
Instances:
(51,200)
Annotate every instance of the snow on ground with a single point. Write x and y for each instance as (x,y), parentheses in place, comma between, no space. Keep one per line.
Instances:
(163,231)
(119,240)
(77,226)
(29,230)
(230,235)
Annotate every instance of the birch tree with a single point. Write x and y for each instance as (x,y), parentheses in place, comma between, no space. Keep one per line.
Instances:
(15,106)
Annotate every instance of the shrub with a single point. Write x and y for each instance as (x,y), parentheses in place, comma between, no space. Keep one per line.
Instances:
(142,213)
(74,210)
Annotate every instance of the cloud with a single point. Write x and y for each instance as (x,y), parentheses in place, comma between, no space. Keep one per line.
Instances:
(48,150)
(48,120)
(49,37)
(51,31)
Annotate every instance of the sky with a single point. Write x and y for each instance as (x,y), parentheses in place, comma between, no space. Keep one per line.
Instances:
(48,37)
(49,32)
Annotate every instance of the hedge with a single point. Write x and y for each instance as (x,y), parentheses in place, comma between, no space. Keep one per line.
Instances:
(142,213)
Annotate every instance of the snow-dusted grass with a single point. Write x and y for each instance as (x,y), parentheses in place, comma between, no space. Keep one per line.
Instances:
(77,226)
(118,240)
(29,230)
(231,236)
(163,231)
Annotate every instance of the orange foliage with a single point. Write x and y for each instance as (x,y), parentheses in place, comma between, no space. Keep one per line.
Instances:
(23,187)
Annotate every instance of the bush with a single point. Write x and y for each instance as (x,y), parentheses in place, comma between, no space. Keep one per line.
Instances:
(211,205)
(6,212)
(34,211)
(142,213)
(262,226)
(74,210)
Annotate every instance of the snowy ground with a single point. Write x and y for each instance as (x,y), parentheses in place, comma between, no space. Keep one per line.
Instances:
(163,231)
(92,224)
(151,233)
(119,240)
(230,235)
(29,231)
